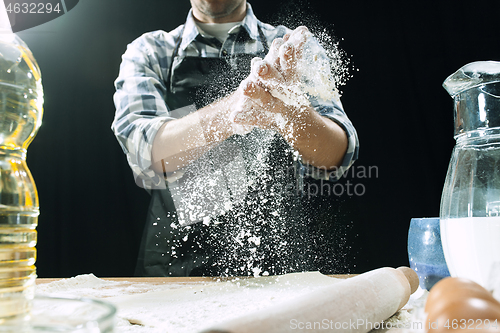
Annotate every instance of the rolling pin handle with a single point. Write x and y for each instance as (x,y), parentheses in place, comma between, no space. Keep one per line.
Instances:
(411,276)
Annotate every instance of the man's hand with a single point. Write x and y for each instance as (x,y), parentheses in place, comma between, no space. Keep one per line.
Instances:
(271,95)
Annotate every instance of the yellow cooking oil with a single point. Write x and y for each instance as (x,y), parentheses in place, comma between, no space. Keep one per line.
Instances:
(21,100)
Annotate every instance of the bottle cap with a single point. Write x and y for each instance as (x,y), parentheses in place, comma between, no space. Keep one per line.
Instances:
(5,27)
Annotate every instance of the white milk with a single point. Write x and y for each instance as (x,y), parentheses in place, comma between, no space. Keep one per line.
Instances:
(471,246)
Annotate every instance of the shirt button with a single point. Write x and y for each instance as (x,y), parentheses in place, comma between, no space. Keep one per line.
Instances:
(224,53)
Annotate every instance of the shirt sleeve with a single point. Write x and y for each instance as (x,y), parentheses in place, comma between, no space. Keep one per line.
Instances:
(333,110)
(140,109)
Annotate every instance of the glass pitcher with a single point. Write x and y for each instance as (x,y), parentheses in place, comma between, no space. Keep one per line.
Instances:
(470,202)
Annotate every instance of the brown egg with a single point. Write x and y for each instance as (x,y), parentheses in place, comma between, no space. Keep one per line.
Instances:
(435,306)
(451,287)
(464,313)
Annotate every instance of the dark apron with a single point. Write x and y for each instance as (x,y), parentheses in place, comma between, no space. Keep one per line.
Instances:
(262,231)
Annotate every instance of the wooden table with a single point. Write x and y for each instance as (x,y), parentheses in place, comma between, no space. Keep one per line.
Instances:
(177,280)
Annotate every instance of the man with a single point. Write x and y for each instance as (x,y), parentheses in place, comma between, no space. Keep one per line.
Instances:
(223,157)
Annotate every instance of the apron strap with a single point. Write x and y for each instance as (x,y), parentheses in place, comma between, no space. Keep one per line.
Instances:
(174,54)
(263,40)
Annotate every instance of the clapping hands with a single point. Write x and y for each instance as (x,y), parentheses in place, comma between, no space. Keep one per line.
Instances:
(271,94)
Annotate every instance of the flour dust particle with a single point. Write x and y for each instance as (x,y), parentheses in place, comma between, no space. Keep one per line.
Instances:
(260,238)
(295,13)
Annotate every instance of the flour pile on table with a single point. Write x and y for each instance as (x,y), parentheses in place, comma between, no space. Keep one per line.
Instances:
(88,285)
(148,308)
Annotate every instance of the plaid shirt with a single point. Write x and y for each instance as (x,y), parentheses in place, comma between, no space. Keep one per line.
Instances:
(142,107)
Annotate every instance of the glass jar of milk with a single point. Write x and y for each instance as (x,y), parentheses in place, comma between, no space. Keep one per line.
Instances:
(470,203)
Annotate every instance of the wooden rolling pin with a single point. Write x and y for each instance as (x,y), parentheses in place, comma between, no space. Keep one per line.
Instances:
(356,304)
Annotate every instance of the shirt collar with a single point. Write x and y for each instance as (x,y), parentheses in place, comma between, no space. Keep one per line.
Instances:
(250,24)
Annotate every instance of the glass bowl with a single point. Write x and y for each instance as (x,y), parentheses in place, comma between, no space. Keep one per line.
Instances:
(64,314)
(425,251)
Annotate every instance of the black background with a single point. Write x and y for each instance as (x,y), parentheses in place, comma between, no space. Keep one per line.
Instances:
(92,213)
(24,15)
